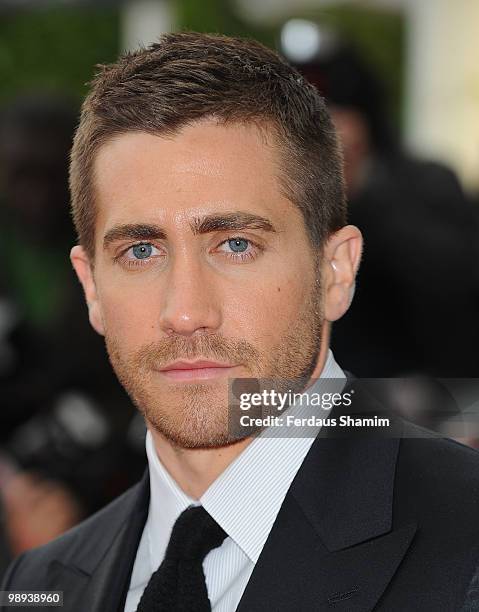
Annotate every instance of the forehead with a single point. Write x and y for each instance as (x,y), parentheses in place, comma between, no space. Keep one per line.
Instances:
(204,168)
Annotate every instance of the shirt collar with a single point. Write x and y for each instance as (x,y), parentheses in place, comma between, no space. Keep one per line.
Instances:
(245,499)
(167,502)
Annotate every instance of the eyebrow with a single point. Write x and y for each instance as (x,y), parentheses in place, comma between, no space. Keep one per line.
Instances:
(133,231)
(231,221)
(201,225)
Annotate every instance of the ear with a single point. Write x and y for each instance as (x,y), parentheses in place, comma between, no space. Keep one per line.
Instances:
(84,270)
(341,257)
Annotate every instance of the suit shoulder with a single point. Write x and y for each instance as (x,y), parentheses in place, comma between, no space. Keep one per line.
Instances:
(448,466)
(67,546)
(109,517)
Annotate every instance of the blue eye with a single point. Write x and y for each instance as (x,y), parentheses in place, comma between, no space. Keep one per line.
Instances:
(238,245)
(142,251)
(140,255)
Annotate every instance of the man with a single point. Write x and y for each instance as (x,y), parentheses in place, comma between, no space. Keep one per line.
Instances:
(208,197)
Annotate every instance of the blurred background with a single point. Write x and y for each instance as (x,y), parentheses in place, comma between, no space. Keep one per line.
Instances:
(402,84)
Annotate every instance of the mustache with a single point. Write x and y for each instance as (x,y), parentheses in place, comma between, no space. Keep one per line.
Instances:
(212,346)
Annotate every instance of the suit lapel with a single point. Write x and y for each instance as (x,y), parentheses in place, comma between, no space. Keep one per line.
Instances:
(98,578)
(333,546)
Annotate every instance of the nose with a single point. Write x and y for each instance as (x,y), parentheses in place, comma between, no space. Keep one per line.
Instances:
(190,304)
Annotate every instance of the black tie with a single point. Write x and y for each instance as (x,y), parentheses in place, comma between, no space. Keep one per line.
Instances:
(178,585)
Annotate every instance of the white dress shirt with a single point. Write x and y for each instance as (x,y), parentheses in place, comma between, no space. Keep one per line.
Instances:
(244,500)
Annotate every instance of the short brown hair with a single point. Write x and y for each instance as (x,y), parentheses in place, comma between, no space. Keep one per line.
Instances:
(189,76)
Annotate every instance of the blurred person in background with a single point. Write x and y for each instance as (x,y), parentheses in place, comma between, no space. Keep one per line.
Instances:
(36,133)
(416,304)
(5,548)
(64,445)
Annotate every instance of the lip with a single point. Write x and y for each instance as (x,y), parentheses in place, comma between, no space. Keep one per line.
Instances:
(196,370)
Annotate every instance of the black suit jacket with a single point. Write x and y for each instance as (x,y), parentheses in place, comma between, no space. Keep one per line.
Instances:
(388,524)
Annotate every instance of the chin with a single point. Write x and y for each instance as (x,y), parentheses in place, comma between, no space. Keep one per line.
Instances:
(188,438)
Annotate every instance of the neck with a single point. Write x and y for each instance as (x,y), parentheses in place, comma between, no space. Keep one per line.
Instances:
(194,470)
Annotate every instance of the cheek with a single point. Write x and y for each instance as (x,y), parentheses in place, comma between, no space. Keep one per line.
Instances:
(264,311)
(128,316)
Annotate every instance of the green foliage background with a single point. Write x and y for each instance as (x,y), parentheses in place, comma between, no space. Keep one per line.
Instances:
(55,48)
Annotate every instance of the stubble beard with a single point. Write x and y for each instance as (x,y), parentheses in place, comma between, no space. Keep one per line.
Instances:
(197,415)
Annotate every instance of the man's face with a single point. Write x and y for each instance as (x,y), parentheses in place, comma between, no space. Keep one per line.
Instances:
(200,258)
